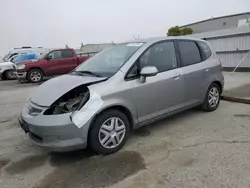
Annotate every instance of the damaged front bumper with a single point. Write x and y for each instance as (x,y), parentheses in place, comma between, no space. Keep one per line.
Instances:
(54,132)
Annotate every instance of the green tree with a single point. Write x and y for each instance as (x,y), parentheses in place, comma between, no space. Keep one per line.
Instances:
(174,31)
(186,31)
(177,31)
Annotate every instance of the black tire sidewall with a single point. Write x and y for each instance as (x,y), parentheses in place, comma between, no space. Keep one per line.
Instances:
(93,139)
(206,104)
(33,70)
(7,75)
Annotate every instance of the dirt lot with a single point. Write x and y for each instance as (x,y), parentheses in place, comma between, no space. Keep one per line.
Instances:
(192,149)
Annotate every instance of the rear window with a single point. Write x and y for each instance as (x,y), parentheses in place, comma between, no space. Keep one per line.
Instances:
(189,53)
(206,51)
(67,54)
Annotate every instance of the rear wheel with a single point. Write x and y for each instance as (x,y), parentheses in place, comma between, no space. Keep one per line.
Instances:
(212,99)
(35,75)
(109,132)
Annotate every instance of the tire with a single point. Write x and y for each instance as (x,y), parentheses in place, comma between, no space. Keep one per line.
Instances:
(10,75)
(35,76)
(214,103)
(111,141)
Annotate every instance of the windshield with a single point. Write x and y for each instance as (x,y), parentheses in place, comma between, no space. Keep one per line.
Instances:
(6,56)
(17,58)
(42,56)
(107,62)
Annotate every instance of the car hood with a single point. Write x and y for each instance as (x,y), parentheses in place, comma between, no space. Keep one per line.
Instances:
(6,64)
(26,62)
(53,89)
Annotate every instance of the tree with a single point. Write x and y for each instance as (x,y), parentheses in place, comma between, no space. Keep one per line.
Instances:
(177,31)
(174,31)
(186,31)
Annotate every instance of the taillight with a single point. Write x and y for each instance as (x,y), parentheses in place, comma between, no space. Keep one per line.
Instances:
(221,68)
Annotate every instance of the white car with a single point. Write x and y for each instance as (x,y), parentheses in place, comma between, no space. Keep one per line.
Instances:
(19,51)
(7,71)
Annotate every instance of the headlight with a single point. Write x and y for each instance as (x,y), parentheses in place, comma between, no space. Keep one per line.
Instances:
(20,66)
(69,102)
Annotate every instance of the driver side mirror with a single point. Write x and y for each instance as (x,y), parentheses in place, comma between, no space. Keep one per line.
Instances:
(49,57)
(147,72)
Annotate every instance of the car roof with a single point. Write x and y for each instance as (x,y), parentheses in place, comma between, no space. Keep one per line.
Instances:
(29,50)
(157,39)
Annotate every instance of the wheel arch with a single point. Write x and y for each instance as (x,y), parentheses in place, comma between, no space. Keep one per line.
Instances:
(219,84)
(32,68)
(118,107)
(122,109)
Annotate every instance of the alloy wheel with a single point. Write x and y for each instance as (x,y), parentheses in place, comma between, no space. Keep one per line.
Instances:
(112,132)
(35,76)
(213,97)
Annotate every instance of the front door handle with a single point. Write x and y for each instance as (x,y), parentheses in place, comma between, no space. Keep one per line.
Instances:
(207,70)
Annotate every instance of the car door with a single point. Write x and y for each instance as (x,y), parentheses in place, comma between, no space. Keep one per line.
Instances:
(53,63)
(193,71)
(69,61)
(162,93)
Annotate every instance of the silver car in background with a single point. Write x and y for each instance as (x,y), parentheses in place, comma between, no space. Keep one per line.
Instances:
(122,88)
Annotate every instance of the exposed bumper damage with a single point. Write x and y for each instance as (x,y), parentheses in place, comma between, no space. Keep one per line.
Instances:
(80,117)
(64,124)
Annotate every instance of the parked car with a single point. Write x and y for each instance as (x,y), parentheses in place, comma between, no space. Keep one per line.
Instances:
(123,87)
(19,51)
(55,62)
(7,71)
(25,57)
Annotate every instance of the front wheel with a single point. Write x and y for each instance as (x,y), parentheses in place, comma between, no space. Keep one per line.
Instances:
(212,99)
(35,76)
(109,132)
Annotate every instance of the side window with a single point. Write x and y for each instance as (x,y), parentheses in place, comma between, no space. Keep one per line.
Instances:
(134,72)
(14,54)
(67,54)
(56,55)
(205,49)
(162,56)
(189,52)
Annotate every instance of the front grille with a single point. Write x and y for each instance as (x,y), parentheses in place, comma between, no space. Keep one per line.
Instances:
(35,137)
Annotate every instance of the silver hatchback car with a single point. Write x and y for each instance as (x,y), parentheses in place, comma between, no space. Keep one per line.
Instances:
(122,88)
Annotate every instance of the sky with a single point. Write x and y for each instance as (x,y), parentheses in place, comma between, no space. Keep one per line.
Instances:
(55,23)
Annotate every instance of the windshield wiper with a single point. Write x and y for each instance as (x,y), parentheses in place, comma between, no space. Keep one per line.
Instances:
(88,72)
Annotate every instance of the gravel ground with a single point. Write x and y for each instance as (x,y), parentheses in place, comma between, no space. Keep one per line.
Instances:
(192,149)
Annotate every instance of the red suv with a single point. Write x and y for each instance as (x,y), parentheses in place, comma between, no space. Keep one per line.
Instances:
(56,62)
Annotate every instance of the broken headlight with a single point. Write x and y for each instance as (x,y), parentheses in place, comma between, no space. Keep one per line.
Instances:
(69,102)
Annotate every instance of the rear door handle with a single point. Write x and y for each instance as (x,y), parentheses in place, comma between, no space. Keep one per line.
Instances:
(207,70)
(176,76)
